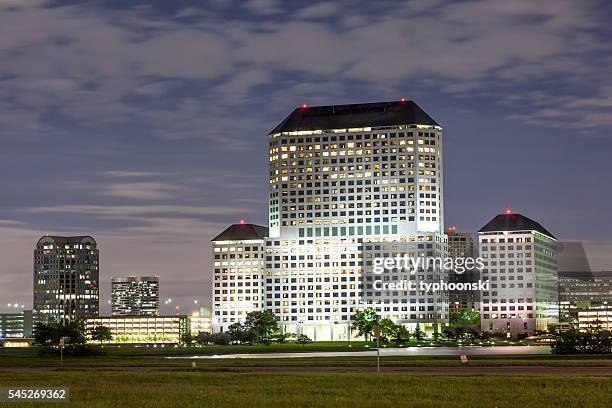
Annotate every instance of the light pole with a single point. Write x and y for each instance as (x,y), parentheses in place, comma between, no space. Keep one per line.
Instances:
(349,331)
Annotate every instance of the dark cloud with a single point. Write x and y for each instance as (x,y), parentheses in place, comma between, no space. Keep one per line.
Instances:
(144,123)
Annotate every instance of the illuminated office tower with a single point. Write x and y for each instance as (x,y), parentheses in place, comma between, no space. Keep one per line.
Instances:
(520,263)
(349,183)
(66,278)
(238,275)
(135,296)
(461,245)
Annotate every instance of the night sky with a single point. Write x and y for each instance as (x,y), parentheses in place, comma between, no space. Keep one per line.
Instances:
(144,124)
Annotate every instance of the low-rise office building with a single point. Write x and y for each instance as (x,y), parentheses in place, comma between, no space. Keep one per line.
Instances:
(596,317)
(143,329)
(579,291)
(16,325)
(201,321)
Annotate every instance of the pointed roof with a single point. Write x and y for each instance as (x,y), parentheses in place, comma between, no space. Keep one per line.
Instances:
(378,114)
(242,232)
(514,222)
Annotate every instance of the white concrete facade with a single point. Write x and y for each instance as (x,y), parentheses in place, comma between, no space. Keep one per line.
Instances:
(336,197)
(521,268)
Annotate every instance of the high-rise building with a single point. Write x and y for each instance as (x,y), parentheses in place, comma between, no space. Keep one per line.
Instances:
(461,245)
(66,278)
(520,263)
(135,296)
(238,273)
(347,184)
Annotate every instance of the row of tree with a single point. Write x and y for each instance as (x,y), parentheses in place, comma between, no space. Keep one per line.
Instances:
(74,333)
(592,341)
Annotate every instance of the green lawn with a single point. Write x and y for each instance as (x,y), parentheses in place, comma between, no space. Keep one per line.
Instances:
(154,357)
(216,389)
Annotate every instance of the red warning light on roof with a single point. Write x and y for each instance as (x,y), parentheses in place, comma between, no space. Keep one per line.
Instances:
(242,221)
(508,211)
(402,100)
(304,106)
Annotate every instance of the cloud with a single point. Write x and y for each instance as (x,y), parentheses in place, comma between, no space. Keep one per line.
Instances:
(138,210)
(180,77)
(144,190)
(130,174)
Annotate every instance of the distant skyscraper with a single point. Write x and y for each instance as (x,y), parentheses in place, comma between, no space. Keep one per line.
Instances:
(66,278)
(135,296)
(461,245)
(520,263)
(238,273)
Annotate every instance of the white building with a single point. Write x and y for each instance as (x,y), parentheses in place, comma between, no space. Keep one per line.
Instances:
(238,273)
(520,263)
(348,183)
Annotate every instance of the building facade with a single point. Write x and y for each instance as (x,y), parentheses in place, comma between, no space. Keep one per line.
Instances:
(135,296)
(595,318)
(461,245)
(580,291)
(347,184)
(520,263)
(143,329)
(201,321)
(66,278)
(16,325)
(238,273)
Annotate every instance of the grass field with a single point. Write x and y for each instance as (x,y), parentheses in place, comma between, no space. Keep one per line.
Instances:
(143,377)
(200,389)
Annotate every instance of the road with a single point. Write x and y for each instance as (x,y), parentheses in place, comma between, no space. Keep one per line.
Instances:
(393,352)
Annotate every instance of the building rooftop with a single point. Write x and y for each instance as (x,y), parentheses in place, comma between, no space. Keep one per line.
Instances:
(242,232)
(378,114)
(67,240)
(514,222)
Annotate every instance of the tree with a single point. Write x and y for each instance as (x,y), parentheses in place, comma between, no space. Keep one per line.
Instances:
(282,338)
(240,333)
(264,324)
(592,341)
(303,339)
(43,333)
(101,333)
(203,338)
(220,339)
(396,332)
(464,317)
(364,321)
(73,333)
(418,333)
